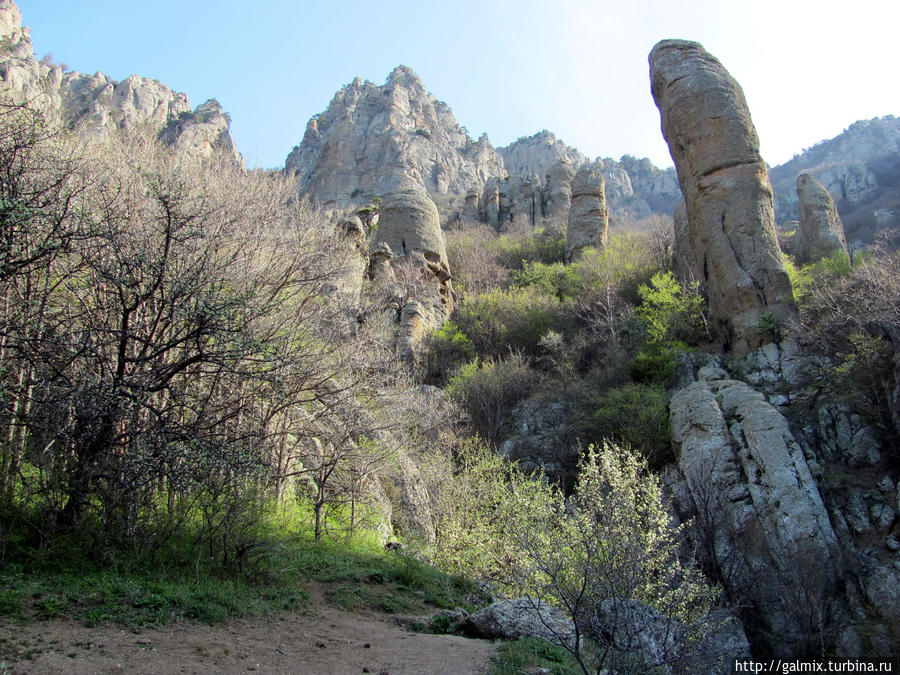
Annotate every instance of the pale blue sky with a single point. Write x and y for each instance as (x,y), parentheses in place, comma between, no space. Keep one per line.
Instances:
(506,68)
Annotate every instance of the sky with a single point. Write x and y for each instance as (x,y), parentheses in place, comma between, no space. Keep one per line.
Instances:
(507,68)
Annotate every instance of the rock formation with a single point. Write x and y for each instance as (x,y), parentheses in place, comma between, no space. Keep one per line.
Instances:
(707,125)
(558,189)
(372,137)
(684,258)
(536,154)
(97,105)
(767,524)
(821,232)
(860,168)
(409,249)
(588,216)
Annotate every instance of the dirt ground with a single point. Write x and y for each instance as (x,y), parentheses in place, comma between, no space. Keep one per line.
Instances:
(320,640)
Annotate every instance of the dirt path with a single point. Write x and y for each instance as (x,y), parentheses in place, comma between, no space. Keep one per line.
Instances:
(321,640)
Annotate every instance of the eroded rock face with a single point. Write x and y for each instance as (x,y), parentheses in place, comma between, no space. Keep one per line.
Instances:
(588,215)
(97,105)
(684,259)
(764,521)
(729,200)
(821,232)
(408,250)
(558,189)
(370,135)
(536,154)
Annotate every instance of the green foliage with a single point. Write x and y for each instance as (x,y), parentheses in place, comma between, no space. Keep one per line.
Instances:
(501,321)
(556,279)
(544,245)
(478,511)
(822,272)
(610,540)
(634,414)
(533,655)
(673,317)
(447,348)
(488,389)
(771,325)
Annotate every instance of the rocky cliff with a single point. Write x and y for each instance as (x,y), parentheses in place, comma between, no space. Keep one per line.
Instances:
(97,105)
(861,170)
(536,154)
(372,138)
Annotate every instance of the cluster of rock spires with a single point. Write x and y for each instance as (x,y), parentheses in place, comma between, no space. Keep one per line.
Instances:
(98,105)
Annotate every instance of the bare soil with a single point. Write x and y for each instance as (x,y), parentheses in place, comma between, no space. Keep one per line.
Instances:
(320,640)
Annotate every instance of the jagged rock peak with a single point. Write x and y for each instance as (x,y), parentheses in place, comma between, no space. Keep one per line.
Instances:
(537,153)
(97,105)
(370,137)
(707,125)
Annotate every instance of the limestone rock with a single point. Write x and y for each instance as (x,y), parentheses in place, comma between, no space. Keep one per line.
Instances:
(558,188)
(522,617)
(97,105)
(860,168)
(766,518)
(640,632)
(370,136)
(729,201)
(538,153)
(685,260)
(821,232)
(409,248)
(588,216)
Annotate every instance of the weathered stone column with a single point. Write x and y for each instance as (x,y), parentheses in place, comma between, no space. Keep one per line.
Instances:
(726,189)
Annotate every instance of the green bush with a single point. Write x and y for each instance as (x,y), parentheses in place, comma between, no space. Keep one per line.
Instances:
(635,414)
(556,279)
(446,350)
(487,390)
(501,321)
(823,272)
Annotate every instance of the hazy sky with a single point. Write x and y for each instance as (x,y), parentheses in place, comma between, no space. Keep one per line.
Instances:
(507,68)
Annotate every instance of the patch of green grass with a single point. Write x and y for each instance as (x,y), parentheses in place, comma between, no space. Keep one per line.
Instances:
(175,585)
(531,654)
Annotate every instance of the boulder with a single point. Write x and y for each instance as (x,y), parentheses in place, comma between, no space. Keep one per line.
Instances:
(820,232)
(588,216)
(726,188)
(637,632)
(521,618)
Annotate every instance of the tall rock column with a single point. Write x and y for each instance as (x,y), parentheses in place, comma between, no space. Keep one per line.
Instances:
(409,228)
(726,188)
(588,215)
(821,231)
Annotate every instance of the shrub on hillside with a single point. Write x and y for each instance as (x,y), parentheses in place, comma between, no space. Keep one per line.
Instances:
(635,414)
(501,321)
(487,390)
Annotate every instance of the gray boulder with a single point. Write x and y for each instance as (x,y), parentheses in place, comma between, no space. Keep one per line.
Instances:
(520,618)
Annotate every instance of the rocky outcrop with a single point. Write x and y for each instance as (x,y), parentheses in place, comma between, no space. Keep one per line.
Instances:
(372,138)
(588,217)
(558,189)
(860,168)
(765,523)
(707,125)
(821,232)
(97,105)
(536,154)
(684,255)
(521,618)
(408,251)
